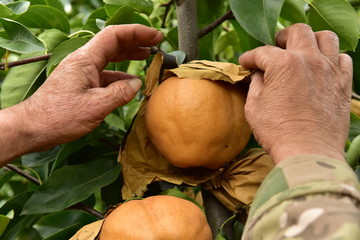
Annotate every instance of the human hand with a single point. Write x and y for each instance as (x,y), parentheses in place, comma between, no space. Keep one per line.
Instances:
(78,95)
(299,98)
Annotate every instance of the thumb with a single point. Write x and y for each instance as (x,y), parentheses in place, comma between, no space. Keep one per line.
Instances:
(255,89)
(121,92)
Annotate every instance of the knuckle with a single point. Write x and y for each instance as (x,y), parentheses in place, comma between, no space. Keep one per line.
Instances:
(78,57)
(290,57)
(328,34)
(301,27)
(109,28)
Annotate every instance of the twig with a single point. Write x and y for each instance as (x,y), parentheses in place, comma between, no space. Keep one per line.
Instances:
(167,8)
(80,205)
(356,96)
(227,16)
(87,209)
(23,173)
(169,60)
(25,61)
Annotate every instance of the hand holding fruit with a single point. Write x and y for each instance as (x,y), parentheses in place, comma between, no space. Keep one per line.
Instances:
(299,99)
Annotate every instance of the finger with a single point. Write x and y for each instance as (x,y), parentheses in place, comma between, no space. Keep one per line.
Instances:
(256,86)
(115,39)
(346,64)
(255,89)
(108,77)
(137,54)
(328,43)
(346,67)
(117,94)
(296,37)
(260,57)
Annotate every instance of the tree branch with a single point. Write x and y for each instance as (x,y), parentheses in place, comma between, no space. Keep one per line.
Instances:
(80,206)
(167,8)
(25,61)
(23,173)
(217,214)
(356,96)
(227,16)
(186,11)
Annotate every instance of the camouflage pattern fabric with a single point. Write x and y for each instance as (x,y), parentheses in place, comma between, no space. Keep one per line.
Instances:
(306,197)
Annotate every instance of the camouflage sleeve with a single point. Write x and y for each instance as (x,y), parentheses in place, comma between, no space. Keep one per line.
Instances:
(306,197)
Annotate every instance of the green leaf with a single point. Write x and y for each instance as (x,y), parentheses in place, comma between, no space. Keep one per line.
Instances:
(53,3)
(177,193)
(143,6)
(258,17)
(56,222)
(21,230)
(61,51)
(45,17)
(16,204)
(294,11)
(21,39)
(5,176)
(354,126)
(122,16)
(4,221)
(221,236)
(356,2)
(23,80)
(355,55)
(337,16)
(179,56)
(19,7)
(6,12)
(247,42)
(65,233)
(66,150)
(207,43)
(12,10)
(353,154)
(70,185)
(97,15)
(39,158)
(227,39)
(115,121)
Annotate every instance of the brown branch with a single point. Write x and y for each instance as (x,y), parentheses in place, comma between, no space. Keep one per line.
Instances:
(356,96)
(87,209)
(169,60)
(167,8)
(227,16)
(23,173)
(216,214)
(25,61)
(80,205)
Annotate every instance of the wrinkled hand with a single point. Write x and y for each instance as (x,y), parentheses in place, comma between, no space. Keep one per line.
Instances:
(299,98)
(78,95)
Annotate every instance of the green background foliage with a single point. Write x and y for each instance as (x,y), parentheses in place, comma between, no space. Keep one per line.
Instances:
(85,171)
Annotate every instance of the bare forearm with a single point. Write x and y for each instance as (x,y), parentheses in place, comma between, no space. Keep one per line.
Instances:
(15,138)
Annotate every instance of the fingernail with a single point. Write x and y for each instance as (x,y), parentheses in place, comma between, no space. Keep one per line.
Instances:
(135,84)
